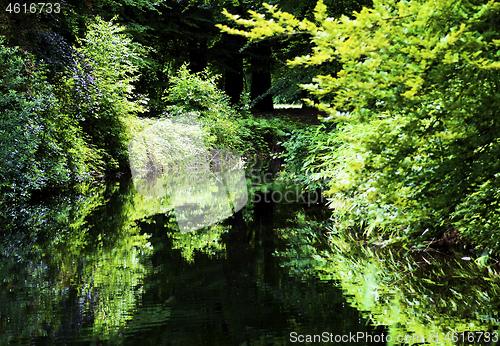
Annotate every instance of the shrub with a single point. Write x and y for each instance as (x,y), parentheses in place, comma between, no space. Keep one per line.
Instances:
(114,61)
(309,164)
(41,146)
(198,93)
(264,131)
(65,112)
(229,128)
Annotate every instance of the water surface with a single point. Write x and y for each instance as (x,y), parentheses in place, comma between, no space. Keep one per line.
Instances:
(110,266)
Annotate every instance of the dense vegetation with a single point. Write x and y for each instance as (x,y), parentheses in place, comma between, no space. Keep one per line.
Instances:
(415,151)
(409,145)
(66,111)
(407,153)
(73,94)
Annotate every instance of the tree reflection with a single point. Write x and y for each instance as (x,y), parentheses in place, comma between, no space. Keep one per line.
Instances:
(111,266)
(71,264)
(424,294)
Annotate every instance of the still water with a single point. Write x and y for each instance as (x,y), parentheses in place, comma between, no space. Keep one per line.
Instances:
(111,266)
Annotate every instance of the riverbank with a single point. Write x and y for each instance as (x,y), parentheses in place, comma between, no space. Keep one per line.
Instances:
(126,253)
(450,241)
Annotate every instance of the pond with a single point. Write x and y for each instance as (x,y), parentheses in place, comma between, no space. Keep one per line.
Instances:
(115,265)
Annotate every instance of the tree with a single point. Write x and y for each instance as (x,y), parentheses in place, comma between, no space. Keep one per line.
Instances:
(417,102)
(270,80)
(65,111)
(114,62)
(41,145)
(233,66)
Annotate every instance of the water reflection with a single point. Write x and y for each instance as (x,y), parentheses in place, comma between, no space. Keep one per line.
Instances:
(111,266)
(92,269)
(70,264)
(204,197)
(424,298)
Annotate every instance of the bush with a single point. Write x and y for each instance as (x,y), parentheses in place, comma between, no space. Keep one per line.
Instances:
(264,131)
(198,93)
(65,112)
(309,165)
(41,146)
(229,128)
(114,61)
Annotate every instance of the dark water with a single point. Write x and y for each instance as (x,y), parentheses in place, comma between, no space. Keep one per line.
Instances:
(109,266)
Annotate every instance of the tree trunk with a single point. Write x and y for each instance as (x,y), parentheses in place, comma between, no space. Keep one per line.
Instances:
(233,76)
(197,55)
(261,77)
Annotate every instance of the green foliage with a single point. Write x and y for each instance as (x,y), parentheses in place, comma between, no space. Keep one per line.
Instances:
(66,111)
(229,128)
(416,101)
(69,243)
(301,254)
(114,61)
(419,294)
(263,131)
(305,163)
(206,240)
(41,146)
(198,93)
(410,293)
